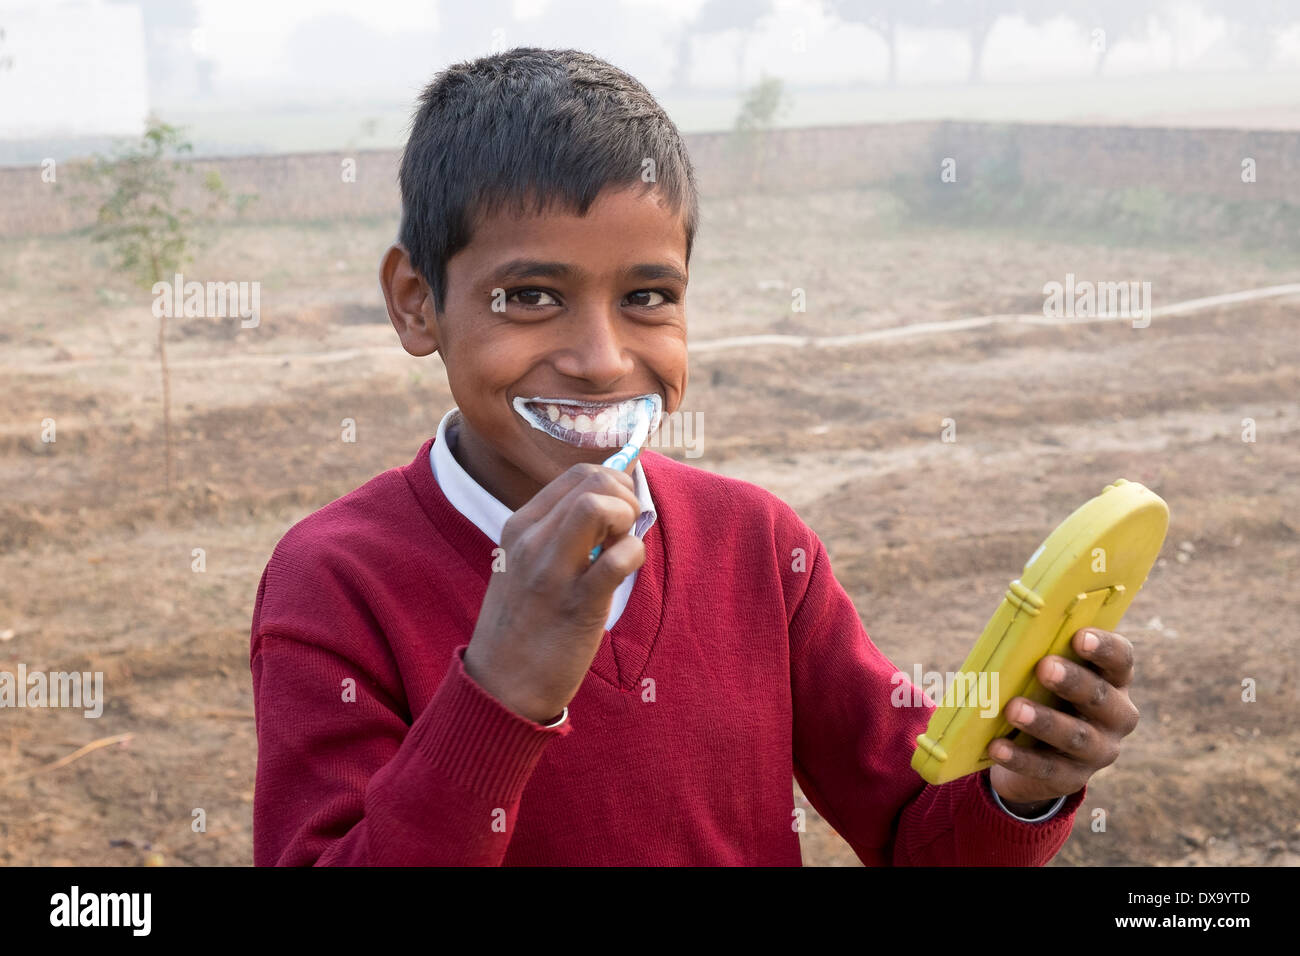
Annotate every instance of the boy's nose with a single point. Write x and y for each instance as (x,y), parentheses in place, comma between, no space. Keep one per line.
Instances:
(596,350)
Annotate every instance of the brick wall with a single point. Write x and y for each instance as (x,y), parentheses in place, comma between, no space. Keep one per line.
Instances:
(310,186)
(1203,162)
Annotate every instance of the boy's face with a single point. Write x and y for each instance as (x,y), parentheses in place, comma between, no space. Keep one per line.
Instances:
(589,309)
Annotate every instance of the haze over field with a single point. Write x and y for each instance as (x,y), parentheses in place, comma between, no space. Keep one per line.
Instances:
(335,74)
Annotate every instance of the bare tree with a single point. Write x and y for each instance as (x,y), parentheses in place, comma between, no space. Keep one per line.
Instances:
(974,18)
(1106,22)
(718,16)
(882,17)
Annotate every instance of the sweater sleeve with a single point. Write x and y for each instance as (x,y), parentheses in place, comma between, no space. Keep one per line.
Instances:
(853,750)
(345,777)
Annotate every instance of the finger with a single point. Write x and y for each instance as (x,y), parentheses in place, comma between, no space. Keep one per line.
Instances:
(1073,737)
(1096,699)
(545,501)
(601,480)
(549,544)
(590,518)
(1112,654)
(613,565)
(1056,771)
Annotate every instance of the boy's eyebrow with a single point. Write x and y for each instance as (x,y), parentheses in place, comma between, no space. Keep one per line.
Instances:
(517,269)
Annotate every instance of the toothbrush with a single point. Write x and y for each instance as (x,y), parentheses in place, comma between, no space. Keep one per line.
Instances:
(629,453)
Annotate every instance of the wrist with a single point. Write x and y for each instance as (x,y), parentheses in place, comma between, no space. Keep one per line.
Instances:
(1037,808)
(1021,808)
(507,692)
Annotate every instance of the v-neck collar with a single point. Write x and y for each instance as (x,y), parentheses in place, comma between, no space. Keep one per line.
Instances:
(624,650)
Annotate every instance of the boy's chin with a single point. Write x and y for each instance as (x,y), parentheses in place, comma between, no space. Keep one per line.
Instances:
(563,456)
(569,455)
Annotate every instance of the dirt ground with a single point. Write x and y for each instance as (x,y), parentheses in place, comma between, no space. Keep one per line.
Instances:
(96,561)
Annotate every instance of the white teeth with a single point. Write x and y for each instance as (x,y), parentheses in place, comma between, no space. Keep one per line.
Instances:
(602,426)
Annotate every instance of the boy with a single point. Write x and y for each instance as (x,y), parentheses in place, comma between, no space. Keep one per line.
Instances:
(441,675)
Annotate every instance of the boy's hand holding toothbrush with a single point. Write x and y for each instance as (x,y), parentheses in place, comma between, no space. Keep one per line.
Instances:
(543,617)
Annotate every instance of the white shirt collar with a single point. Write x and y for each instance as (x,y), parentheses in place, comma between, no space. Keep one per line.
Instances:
(487,513)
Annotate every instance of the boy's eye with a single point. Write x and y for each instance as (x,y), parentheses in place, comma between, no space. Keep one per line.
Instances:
(531,297)
(663,298)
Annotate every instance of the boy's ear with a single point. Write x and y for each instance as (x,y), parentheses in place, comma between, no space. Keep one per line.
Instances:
(409,300)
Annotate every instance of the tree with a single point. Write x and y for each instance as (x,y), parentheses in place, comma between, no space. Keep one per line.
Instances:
(764,102)
(6,59)
(718,16)
(974,18)
(149,235)
(882,17)
(1105,23)
(171,61)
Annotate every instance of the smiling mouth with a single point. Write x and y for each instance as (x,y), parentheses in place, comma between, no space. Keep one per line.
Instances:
(586,424)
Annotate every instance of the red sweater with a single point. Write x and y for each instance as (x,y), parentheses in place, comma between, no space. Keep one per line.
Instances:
(728,673)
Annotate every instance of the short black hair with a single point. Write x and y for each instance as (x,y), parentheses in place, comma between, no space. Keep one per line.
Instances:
(530,125)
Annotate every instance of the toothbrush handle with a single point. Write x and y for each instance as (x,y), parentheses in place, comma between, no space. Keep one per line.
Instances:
(620,462)
(622,459)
